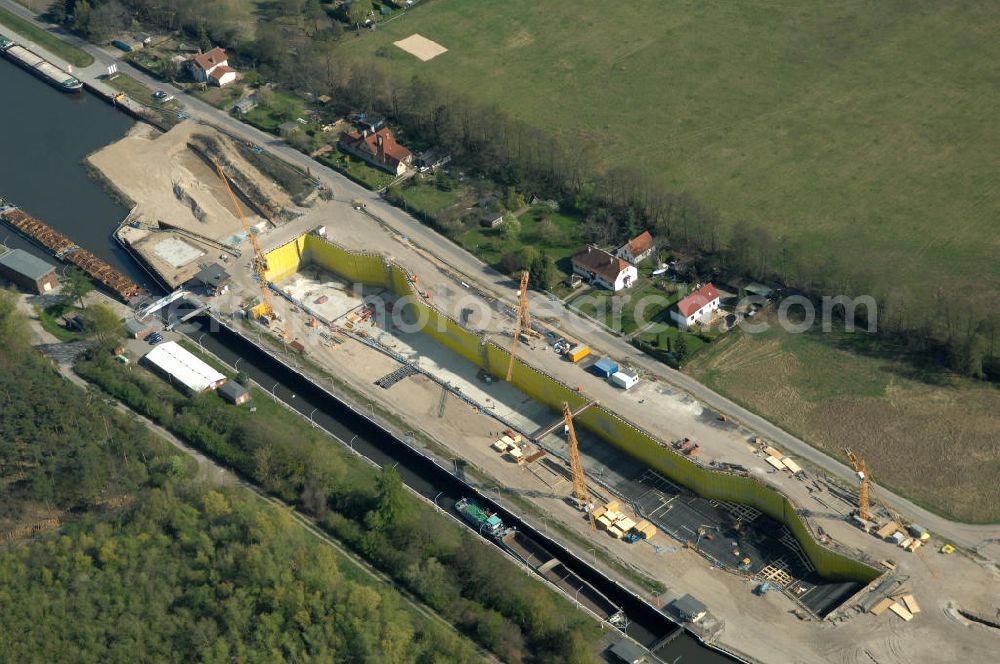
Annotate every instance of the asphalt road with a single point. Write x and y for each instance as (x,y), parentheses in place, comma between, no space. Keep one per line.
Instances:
(475,271)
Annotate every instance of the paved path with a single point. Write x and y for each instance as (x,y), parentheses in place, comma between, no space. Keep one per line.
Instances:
(475,271)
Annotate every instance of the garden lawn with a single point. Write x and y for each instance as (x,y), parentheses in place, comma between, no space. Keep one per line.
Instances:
(857,129)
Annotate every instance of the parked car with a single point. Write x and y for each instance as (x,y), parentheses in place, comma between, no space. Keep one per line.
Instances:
(155,338)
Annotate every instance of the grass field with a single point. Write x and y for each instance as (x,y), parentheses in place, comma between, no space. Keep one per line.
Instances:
(70,54)
(930,436)
(857,128)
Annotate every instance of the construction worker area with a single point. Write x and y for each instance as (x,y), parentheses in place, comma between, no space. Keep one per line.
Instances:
(547,434)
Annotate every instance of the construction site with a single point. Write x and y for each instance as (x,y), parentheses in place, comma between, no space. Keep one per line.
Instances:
(185,216)
(789,563)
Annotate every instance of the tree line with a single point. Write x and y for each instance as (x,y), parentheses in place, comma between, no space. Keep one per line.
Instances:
(471,584)
(151,565)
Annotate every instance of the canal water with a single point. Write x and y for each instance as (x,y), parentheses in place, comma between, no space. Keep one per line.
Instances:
(45,135)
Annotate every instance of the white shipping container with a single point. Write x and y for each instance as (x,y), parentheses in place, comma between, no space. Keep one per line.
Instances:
(624,380)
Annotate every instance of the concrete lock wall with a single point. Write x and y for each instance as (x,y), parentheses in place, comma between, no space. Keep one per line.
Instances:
(373,270)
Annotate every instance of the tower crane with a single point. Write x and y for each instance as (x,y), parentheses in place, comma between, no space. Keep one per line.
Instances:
(576,467)
(859,467)
(867,492)
(264,309)
(522,324)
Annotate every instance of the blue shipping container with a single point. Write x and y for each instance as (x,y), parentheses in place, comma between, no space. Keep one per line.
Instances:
(605,367)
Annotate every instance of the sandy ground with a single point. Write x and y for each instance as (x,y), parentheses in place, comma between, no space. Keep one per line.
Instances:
(421,47)
(763,627)
(174,187)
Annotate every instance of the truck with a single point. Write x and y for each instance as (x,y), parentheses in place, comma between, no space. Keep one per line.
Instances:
(481,519)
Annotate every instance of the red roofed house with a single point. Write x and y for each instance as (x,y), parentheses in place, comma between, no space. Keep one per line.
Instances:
(638,248)
(212,67)
(603,269)
(698,306)
(378,148)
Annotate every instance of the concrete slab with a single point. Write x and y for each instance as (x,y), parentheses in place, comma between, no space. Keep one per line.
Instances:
(176,252)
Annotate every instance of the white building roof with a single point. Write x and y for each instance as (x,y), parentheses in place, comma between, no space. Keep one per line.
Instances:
(184,367)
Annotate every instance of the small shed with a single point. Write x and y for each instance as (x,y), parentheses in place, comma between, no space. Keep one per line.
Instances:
(234,393)
(624,379)
(491,219)
(245,105)
(28,271)
(604,367)
(138,329)
(214,278)
(627,652)
(689,609)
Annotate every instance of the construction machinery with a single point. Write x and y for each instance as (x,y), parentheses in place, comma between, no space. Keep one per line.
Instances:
(264,309)
(580,492)
(866,493)
(859,467)
(522,324)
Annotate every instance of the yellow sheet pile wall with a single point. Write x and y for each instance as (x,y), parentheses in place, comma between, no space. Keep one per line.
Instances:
(372,270)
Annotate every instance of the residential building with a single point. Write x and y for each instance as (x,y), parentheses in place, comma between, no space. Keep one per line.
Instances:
(234,393)
(697,307)
(603,269)
(378,148)
(183,368)
(28,272)
(638,248)
(211,67)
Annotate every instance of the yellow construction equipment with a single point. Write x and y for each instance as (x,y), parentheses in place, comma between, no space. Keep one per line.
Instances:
(264,309)
(859,467)
(579,479)
(522,324)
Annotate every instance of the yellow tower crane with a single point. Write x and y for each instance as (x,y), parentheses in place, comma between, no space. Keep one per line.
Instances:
(576,467)
(264,309)
(522,324)
(867,492)
(859,467)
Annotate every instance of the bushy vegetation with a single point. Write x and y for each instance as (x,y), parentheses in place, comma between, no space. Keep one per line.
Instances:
(470,584)
(150,566)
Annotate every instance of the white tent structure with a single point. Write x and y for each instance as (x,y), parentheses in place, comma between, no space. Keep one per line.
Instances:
(184,368)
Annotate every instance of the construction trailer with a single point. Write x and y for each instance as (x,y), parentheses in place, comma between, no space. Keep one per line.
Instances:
(604,368)
(624,379)
(577,353)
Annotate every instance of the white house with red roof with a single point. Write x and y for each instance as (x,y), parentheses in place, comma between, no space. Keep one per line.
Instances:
(211,67)
(638,248)
(378,148)
(604,269)
(697,307)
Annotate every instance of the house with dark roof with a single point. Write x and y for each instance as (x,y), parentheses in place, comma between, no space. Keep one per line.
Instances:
(697,307)
(603,269)
(491,219)
(27,271)
(378,148)
(211,67)
(638,248)
(213,278)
